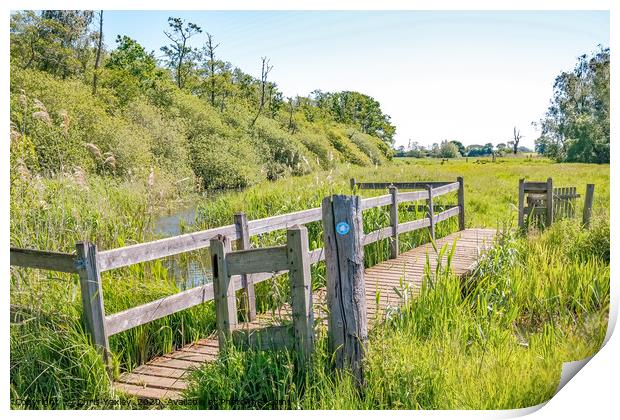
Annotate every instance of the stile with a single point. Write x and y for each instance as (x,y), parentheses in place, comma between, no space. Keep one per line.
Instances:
(223,290)
(92,298)
(346,300)
(249,298)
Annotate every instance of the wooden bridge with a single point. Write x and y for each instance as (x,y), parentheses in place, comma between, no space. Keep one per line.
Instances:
(163,377)
(345,305)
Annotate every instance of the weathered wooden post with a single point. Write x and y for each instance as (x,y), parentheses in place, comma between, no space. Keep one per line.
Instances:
(394,222)
(549,202)
(461,200)
(521,203)
(223,291)
(301,290)
(353,182)
(587,206)
(431,211)
(249,297)
(344,258)
(92,298)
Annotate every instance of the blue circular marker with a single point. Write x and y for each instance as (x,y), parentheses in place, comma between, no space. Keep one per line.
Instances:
(342,228)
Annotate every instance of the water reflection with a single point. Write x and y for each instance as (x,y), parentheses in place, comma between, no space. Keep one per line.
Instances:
(189,269)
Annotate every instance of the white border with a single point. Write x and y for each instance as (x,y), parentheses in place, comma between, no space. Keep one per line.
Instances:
(593,393)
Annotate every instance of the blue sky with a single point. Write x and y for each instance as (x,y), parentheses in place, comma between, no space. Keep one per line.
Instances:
(470,76)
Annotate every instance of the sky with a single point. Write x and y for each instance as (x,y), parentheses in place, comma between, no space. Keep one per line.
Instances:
(470,76)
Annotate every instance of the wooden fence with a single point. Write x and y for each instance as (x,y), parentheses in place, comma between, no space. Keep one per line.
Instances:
(233,270)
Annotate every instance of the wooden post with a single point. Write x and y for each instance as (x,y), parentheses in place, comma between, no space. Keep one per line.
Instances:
(301,290)
(521,203)
(549,202)
(587,206)
(223,291)
(92,298)
(431,211)
(249,297)
(346,300)
(394,222)
(353,182)
(461,199)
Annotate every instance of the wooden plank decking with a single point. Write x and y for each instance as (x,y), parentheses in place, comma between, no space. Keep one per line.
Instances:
(164,376)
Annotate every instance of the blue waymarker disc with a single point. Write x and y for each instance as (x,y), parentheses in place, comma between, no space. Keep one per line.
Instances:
(342,228)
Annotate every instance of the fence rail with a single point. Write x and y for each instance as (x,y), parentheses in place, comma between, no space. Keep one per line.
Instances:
(43,260)
(243,267)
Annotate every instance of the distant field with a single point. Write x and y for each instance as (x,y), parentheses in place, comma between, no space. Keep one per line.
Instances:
(491,188)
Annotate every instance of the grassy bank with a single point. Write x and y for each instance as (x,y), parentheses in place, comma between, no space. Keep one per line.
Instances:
(53,365)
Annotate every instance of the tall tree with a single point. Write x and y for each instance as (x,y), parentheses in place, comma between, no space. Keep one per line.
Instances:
(180,56)
(98,56)
(516,135)
(576,125)
(211,64)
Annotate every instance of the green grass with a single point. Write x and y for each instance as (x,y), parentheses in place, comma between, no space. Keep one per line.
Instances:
(64,371)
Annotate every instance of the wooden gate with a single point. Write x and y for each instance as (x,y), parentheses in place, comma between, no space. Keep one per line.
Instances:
(540,204)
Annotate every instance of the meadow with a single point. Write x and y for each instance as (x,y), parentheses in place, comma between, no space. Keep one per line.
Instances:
(495,340)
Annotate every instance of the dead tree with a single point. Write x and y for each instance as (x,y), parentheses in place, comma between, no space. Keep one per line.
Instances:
(98,56)
(291,121)
(265,69)
(517,137)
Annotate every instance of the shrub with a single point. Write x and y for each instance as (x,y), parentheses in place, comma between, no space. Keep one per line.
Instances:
(350,152)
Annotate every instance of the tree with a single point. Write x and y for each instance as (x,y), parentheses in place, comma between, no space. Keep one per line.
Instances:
(358,109)
(460,146)
(210,65)
(502,149)
(181,58)
(98,56)
(55,41)
(265,69)
(130,70)
(516,135)
(576,125)
(475,150)
(448,150)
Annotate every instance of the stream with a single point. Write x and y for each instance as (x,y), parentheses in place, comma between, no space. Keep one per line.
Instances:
(190,269)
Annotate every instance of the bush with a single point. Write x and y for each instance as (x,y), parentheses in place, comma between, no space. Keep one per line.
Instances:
(368,145)
(349,151)
(282,154)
